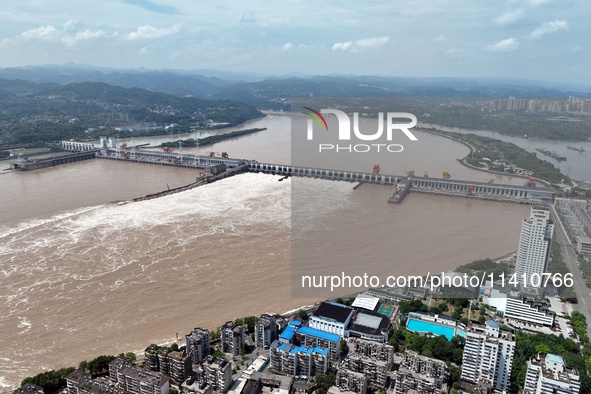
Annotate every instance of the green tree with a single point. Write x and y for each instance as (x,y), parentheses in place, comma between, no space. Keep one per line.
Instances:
(214,334)
(302,314)
(344,348)
(50,380)
(100,365)
(324,382)
(250,322)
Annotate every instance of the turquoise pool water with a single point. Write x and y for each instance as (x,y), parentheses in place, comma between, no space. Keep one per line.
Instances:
(433,328)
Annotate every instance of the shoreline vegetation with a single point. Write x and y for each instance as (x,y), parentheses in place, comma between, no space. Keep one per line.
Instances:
(212,139)
(490,149)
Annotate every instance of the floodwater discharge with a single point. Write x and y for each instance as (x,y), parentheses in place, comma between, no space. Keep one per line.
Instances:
(81,277)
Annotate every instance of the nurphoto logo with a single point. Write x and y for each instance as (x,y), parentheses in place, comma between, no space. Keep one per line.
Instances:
(392,120)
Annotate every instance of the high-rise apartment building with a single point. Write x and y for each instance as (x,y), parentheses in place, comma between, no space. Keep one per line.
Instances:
(488,355)
(198,345)
(548,374)
(233,338)
(265,331)
(533,251)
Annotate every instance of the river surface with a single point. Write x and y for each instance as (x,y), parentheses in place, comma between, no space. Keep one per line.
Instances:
(80,277)
(577,165)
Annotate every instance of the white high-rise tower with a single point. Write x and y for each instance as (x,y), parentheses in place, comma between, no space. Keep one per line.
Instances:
(534,247)
(488,355)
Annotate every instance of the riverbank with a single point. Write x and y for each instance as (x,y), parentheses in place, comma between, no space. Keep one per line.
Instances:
(212,139)
(473,149)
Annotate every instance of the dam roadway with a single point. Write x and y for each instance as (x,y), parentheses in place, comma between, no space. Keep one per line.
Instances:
(528,193)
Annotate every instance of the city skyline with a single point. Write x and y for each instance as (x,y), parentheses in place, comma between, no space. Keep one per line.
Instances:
(535,39)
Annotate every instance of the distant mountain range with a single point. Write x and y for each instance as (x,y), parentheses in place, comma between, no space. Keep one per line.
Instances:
(40,112)
(266,92)
(42,104)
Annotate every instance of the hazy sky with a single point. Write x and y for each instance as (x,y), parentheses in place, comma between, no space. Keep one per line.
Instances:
(535,39)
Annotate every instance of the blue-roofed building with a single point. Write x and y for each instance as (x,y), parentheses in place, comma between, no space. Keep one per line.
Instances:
(287,334)
(283,358)
(298,360)
(320,357)
(319,334)
(321,350)
(307,336)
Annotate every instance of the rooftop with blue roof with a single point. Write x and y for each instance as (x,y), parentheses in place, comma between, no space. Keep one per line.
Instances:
(319,334)
(287,334)
(554,358)
(321,350)
(492,323)
(297,349)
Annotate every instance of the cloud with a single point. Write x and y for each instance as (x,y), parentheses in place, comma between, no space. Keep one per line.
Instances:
(342,46)
(71,25)
(287,46)
(149,32)
(43,33)
(361,44)
(372,42)
(454,51)
(549,27)
(72,40)
(508,45)
(68,35)
(440,38)
(509,18)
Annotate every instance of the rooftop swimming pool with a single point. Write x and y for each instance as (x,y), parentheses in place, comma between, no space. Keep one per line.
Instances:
(433,328)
